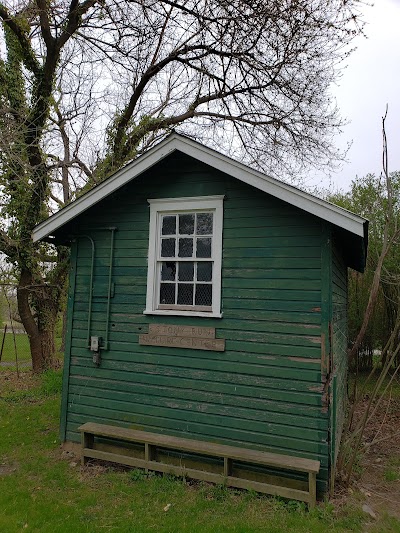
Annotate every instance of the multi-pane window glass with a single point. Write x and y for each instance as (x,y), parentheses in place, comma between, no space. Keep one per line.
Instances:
(186,264)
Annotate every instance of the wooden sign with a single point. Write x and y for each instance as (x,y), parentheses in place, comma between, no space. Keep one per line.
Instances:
(194,337)
(182,331)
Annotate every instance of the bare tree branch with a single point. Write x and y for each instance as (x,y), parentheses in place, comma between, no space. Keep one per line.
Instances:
(86,86)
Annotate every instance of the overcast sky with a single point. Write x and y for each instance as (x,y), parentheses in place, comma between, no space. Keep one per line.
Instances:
(370,81)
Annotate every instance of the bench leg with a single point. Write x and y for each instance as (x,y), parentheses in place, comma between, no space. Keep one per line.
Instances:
(227,467)
(87,442)
(149,453)
(312,487)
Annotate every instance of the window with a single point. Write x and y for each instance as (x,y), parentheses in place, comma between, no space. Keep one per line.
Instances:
(185,253)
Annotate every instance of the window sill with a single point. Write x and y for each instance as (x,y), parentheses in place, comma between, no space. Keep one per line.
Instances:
(172,312)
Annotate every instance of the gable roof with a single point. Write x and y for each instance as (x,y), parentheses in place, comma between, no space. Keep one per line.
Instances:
(339,217)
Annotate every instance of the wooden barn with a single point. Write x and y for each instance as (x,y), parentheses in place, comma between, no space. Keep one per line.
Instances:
(207,302)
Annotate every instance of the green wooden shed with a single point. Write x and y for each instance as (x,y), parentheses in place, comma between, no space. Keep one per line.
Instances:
(208,300)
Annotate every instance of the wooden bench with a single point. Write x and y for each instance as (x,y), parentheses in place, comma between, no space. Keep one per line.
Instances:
(152,441)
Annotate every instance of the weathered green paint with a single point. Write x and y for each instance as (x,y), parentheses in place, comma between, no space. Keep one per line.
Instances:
(267,391)
(261,409)
(326,309)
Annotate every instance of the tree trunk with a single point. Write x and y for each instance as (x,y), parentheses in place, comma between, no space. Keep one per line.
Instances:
(42,351)
(41,327)
(64,329)
(373,297)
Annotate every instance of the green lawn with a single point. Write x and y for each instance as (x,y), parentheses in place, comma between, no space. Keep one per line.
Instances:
(43,491)
(21,345)
(366,384)
(18,343)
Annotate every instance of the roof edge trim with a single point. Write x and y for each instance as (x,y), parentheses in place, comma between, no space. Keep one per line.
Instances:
(288,193)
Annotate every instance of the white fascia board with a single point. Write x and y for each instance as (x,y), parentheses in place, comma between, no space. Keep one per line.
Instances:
(296,197)
(119,179)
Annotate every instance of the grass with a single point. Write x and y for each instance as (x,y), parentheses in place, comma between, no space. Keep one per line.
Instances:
(392,471)
(391,474)
(18,343)
(367,385)
(44,490)
(21,346)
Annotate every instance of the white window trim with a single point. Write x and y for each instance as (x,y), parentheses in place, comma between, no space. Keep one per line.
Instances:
(161,206)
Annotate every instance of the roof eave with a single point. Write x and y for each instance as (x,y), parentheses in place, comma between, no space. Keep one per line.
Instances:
(111,184)
(305,201)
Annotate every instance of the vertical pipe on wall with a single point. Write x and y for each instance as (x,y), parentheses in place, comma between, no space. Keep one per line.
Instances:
(110,271)
(90,290)
(109,286)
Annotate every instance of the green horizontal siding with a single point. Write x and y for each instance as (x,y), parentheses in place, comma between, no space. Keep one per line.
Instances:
(191,380)
(265,390)
(273,323)
(190,368)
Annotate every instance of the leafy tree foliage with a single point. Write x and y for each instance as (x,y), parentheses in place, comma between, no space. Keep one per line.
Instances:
(368,196)
(87,86)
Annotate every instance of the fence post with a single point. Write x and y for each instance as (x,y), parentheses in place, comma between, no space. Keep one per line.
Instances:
(2,342)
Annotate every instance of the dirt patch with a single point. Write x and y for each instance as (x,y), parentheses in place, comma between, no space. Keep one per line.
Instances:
(10,382)
(377,474)
(70,449)
(380,477)
(7,470)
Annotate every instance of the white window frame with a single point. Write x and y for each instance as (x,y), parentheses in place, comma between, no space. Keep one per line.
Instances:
(163,206)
